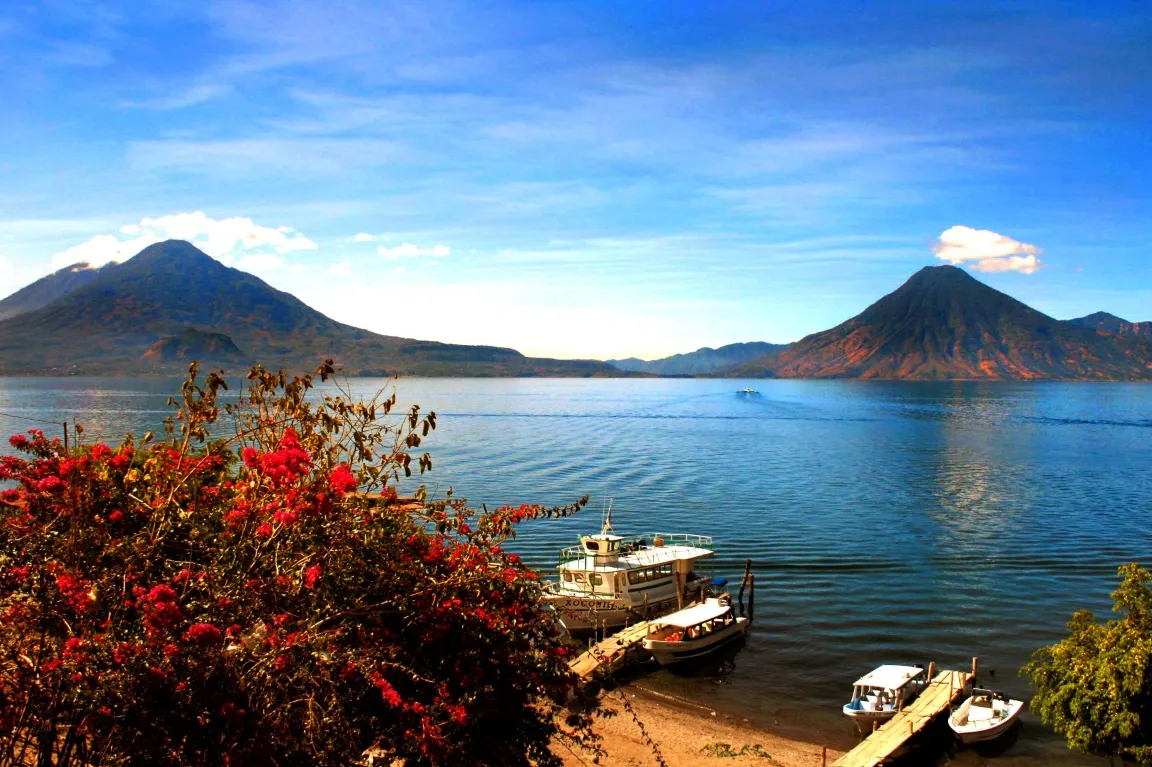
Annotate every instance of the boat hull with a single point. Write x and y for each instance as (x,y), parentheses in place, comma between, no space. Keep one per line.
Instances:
(582,614)
(861,715)
(981,732)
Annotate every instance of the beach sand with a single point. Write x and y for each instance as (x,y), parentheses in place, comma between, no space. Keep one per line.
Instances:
(686,735)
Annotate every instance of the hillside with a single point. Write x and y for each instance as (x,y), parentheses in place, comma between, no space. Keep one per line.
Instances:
(110,323)
(48,289)
(1110,323)
(705,360)
(944,324)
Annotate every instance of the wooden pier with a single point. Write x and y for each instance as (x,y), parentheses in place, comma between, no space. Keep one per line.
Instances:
(886,741)
(609,653)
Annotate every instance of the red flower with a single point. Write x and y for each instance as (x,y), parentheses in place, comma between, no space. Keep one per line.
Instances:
(50,484)
(311,575)
(342,480)
(250,455)
(391,697)
(204,634)
(18,441)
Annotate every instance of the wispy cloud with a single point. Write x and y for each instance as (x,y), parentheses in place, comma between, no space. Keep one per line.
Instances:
(986,251)
(408,250)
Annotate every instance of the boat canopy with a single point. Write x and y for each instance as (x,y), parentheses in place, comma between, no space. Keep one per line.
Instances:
(889,677)
(695,615)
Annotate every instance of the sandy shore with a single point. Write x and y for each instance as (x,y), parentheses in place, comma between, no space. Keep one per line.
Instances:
(686,735)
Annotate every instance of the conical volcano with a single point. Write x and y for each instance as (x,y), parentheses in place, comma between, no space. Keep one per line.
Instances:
(944,324)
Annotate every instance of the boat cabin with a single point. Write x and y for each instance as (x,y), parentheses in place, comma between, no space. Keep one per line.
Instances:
(695,622)
(612,565)
(885,690)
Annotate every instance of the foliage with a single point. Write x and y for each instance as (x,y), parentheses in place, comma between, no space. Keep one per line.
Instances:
(201,601)
(1095,686)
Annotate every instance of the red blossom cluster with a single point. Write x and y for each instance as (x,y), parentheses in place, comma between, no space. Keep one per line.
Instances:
(204,602)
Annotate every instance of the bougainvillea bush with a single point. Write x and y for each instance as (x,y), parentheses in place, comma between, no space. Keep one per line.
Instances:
(266,598)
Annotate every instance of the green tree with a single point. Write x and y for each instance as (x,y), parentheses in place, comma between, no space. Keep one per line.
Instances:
(1095,686)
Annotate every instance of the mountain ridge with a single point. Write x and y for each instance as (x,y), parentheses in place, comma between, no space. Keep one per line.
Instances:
(108,324)
(704,360)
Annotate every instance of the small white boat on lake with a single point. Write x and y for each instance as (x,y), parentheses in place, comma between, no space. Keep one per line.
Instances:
(611,580)
(880,694)
(985,716)
(695,631)
(747,390)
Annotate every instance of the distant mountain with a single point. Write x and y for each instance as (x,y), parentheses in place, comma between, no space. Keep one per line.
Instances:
(1110,323)
(705,360)
(944,324)
(109,324)
(47,289)
(192,344)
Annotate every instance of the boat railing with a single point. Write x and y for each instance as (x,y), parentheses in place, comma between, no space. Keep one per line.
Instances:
(645,543)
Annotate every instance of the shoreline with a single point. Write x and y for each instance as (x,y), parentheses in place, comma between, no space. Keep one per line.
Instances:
(686,733)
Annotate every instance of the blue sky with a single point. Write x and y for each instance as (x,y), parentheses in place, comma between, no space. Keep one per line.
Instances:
(595,179)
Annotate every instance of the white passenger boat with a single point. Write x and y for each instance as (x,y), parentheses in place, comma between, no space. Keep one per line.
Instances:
(611,580)
(878,695)
(985,716)
(695,631)
(747,390)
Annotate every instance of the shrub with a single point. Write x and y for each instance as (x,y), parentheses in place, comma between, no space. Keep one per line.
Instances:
(267,598)
(1095,686)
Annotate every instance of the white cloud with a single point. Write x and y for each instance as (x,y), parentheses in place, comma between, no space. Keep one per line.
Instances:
(408,250)
(223,239)
(365,237)
(341,269)
(986,251)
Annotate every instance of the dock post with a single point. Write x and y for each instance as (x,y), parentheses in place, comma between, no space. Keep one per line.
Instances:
(680,580)
(931,670)
(751,596)
(824,756)
(65,436)
(975,665)
(743,582)
(873,725)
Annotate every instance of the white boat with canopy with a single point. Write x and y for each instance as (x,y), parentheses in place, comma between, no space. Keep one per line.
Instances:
(985,716)
(879,694)
(611,580)
(695,631)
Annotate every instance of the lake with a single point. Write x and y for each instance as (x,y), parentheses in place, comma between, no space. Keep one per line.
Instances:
(886,521)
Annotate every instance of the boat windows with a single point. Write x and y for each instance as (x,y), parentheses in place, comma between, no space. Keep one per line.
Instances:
(567,577)
(595,579)
(592,545)
(649,574)
(579,577)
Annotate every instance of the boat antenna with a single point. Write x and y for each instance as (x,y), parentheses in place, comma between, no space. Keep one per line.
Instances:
(607,528)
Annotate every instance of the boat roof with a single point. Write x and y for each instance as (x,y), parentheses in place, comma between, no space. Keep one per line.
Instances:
(695,615)
(637,559)
(889,677)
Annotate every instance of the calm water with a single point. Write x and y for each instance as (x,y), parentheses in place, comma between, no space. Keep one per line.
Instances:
(886,522)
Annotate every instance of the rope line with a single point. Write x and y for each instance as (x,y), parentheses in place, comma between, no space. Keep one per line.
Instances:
(31,420)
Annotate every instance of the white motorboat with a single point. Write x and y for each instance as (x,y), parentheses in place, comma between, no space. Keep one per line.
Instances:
(695,631)
(984,716)
(611,580)
(747,390)
(878,695)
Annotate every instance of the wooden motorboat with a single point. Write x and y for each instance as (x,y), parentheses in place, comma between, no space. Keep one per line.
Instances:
(695,631)
(984,716)
(878,695)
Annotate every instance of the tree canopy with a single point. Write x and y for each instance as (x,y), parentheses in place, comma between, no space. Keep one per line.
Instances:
(266,598)
(1095,686)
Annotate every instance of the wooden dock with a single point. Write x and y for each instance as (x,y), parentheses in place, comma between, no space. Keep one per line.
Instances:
(887,740)
(609,653)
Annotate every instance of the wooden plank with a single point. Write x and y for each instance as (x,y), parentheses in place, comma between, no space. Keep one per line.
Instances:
(609,651)
(888,738)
